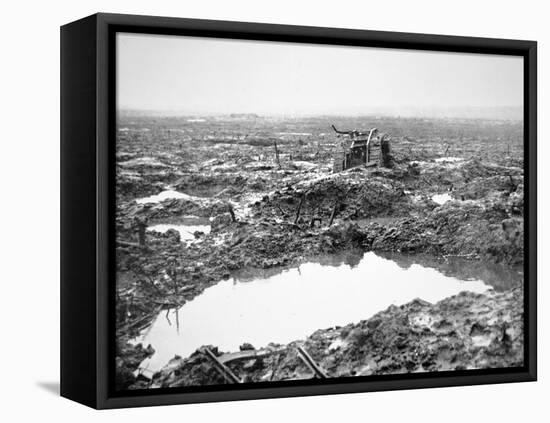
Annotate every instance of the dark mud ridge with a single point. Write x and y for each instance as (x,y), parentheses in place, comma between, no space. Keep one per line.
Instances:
(466,331)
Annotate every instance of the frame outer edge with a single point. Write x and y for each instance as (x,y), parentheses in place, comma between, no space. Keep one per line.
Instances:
(299,33)
(103,211)
(532,206)
(78,308)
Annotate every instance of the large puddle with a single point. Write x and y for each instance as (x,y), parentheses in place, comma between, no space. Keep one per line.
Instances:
(281,306)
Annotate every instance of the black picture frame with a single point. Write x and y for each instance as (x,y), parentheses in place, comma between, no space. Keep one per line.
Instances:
(88,118)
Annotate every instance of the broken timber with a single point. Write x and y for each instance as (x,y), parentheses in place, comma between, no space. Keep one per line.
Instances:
(367,145)
(220,367)
(248,355)
(333,214)
(306,358)
(299,208)
(277,154)
(141,226)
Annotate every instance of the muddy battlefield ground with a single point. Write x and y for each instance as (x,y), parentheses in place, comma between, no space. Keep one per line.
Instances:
(453,189)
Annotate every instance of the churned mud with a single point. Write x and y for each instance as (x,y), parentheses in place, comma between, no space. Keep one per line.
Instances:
(199,201)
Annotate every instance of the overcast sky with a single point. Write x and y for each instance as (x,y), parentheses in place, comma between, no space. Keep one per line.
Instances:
(201,75)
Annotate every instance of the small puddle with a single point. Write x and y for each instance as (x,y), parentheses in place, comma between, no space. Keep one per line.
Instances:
(274,305)
(186,231)
(185,225)
(164,195)
(441,198)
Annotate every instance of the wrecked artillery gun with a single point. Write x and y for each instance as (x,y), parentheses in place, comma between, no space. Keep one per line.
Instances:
(359,149)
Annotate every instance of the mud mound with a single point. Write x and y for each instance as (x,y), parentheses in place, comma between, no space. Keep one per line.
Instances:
(476,168)
(470,178)
(351,195)
(478,188)
(173,208)
(466,228)
(265,246)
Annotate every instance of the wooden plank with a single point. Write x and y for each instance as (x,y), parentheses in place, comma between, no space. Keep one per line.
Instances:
(139,321)
(247,355)
(220,367)
(306,358)
(367,145)
(299,208)
(277,154)
(333,214)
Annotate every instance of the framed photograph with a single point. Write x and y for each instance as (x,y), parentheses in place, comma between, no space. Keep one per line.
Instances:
(254,211)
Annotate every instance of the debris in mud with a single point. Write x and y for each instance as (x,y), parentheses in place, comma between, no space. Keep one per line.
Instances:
(128,359)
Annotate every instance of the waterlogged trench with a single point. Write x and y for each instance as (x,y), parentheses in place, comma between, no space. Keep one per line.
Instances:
(280,306)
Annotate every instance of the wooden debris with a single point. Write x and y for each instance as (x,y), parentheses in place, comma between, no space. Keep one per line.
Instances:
(277,154)
(232,214)
(313,220)
(386,159)
(140,321)
(247,354)
(141,226)
(306,358)
(222,369)
(281,210)
(299,208)
(333,214)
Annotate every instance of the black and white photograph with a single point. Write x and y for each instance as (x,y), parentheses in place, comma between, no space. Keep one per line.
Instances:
(274,211)
(289,211)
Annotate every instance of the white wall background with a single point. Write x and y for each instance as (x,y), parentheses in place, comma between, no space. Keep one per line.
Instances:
(30,209)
